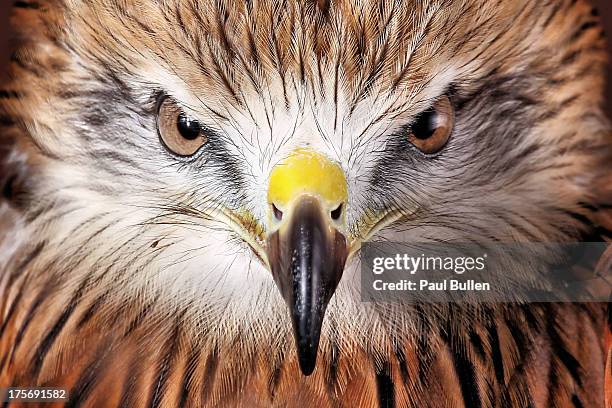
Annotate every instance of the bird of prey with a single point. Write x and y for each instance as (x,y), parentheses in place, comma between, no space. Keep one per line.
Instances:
(188,186)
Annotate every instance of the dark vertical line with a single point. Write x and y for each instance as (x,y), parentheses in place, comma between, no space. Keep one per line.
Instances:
(562,354)
(53,333)
(385,387)
(10,313)
(576,401)
(401,361)
(466,375)
(140,317)
(208,377)
(87,379)
(190,368)
(38,300)
(130,381)
(275,377)
(166,364)
(332,377)
(496,354)
(27,260)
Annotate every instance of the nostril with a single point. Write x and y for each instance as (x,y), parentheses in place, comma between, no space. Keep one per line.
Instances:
(335,214)
(278,214)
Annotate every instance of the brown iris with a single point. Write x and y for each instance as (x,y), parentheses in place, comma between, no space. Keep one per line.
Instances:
(180,133)
(432,128)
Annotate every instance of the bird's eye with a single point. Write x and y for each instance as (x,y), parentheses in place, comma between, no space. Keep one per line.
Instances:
(180,133)
(433,127)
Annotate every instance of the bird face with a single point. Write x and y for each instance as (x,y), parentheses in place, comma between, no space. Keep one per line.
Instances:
(303,220)
(234,156)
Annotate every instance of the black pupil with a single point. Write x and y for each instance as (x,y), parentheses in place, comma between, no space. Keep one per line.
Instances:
(188,128)
(425,125)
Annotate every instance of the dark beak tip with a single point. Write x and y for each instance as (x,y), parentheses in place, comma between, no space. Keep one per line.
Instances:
(307,367)
(307,358)
(307,260)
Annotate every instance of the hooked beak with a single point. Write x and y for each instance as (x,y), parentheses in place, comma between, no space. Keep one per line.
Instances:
(307,259)
(306,249)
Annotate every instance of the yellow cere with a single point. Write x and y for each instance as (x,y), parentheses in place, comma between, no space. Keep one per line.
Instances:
(307,172)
